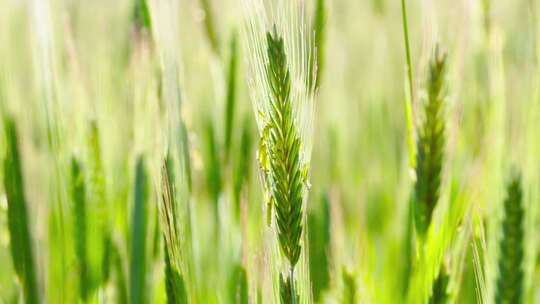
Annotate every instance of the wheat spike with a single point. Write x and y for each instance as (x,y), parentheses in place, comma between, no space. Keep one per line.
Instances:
(430,146)
(510,279)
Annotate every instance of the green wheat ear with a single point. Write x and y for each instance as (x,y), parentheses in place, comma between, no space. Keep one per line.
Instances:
(78,197)
(510,279)
(17,215)
(440,287)
(287,293)
(283,144)
(430,146)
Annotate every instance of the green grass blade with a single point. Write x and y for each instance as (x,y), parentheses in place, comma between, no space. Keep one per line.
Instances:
(319,25)
(78,197)
(243,164)
(238,289)
(319,247)
(138,236)
(213,164)
(121,288)
(409,99)
(231,95)
(349,288)
(141,16)
(18,222)
(209,26)
(107,259)
(440,288)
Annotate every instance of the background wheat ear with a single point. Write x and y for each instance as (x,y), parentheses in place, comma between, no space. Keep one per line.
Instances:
(18,223)
(511,256)
(175,284)
(430,145)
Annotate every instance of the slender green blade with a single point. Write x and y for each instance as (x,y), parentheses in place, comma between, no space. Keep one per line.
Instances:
(319,247)
(238,290)
(231,95)
(349,288)
(243,164)
(138,236)
(209,25)
(18,222)
(319,27)
(78,197)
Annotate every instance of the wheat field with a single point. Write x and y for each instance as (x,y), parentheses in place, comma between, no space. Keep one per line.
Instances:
(270,151)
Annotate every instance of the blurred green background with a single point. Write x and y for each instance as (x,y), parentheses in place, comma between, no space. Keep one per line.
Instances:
(129,67)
